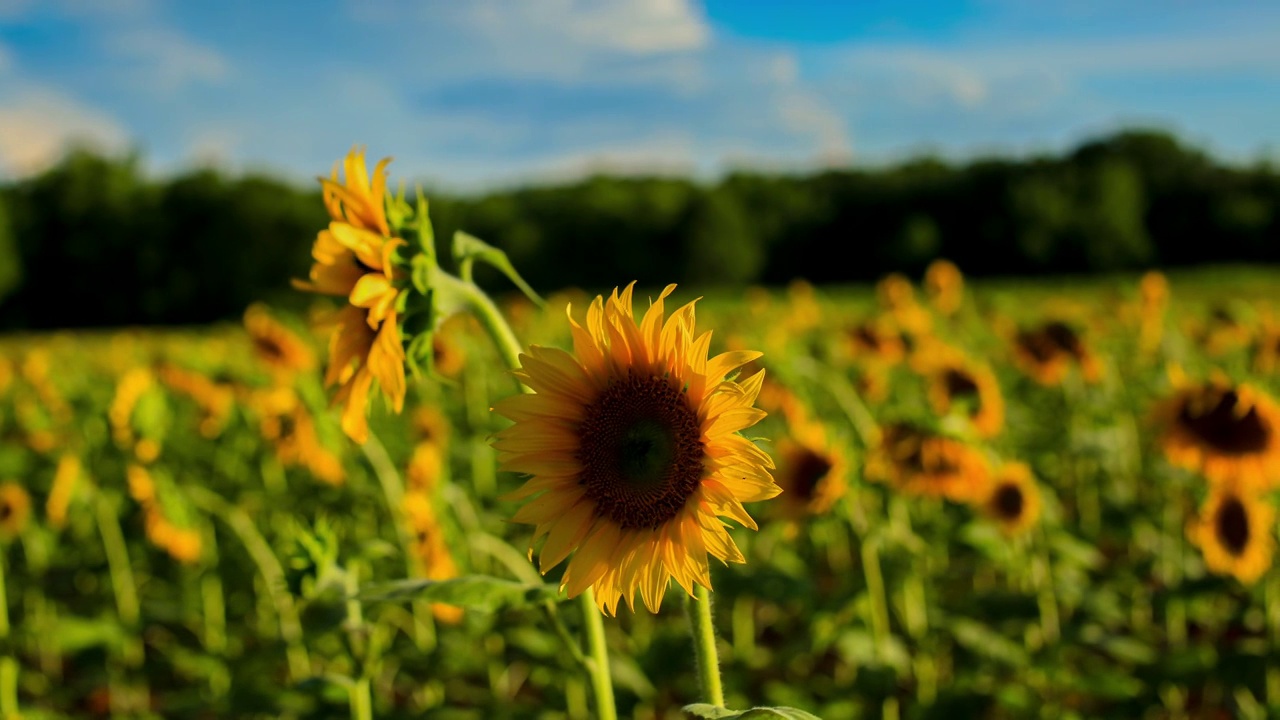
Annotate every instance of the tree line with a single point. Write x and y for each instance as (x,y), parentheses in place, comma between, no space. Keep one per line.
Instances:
(93,241)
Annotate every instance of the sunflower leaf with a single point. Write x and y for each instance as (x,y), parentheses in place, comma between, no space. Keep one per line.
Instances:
(713,712)
(468,248)
(474,592)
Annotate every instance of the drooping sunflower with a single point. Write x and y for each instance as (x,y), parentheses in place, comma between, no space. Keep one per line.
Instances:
(1012,499)
(956,381)
(812,472)
(917,462)
(1047,352)
(355,258)
(15,510)
(278,347)
(129,390)
(944,284)
(1223,431)
(633,446)
(1233,532)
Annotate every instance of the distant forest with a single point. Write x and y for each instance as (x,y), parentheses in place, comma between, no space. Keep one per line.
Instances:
(93,242)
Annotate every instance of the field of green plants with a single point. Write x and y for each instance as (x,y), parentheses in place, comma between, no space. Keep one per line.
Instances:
(998,501)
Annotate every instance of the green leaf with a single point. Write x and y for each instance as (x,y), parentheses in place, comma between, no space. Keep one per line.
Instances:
(468,248)
(474,592)
(712,712)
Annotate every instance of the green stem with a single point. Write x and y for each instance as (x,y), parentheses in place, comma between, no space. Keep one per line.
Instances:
(704,645)
(8,663)
(360,696)
(601,678)
(133,654)
(875,591)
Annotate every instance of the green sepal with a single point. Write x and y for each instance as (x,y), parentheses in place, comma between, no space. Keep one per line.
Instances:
(398,210)
(468,248)
(473,592)
(713,712)
(424,230)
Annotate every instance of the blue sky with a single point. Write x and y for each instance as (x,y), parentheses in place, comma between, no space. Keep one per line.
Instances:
(474,93)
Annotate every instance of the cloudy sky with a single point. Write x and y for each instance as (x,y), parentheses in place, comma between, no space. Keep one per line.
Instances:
(473,93)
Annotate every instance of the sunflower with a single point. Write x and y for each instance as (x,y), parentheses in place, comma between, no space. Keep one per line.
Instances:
(129,390)
(426,466)
(1223,332)
(1234,533)
(355,257)
(1012,499)
(1046,353)
(1154,291)
(876,340)
(1225,432)
(215,400)
(894,291)
(286,423)
(944,284)
(633,445)
(918,462)
(15,509)
(956,381)
(430,550)
(278,347)
(65,478)
(812,472)
(430,425)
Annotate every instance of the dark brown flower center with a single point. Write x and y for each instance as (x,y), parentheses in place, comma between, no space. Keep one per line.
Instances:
(268,348)
(1225,429)
(867,337)
(808,469)
(1008,502)
(640,446)
(1232,525)
(6,510)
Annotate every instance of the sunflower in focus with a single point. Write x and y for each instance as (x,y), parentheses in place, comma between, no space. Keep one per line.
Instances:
(355,258)
(15,510)
(1223,431)
(917,462)
(812,472)
(944,284)
(633,447)
(278,347)
(1047,352)
(1012,499)
(1233,532)
(958,383)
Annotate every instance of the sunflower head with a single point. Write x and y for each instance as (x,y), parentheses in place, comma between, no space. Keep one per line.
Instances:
(875,340)
(1012,499)
(1154,290)
(812,472)
(918,462)
(1047,352)
(1224,431)
(894,291)
(431,552)
(1234,532)
(15,510)
(276,346)
(65,479)
(944,285)
(633,447)
(957,383)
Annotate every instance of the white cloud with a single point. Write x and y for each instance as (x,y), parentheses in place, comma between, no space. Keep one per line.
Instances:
(167,60)
(37,126)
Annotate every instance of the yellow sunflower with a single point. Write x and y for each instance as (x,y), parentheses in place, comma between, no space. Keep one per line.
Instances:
(65,478)
(812,472)
(426,465)
(129,390)
(944,284)
(15,510)
(430,425)
(286,423)
(1266,347)
(430,550)
(633,446)
(1225,432)
(278,347)
(1047,352)
(876,340)
(917,462)
(216,400)
(355,258)
(956,381)
(1234,533)
(1012,499)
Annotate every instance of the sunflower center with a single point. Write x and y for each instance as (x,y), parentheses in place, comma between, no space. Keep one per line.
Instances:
(269,348)
(6,511)
(1008,502)
(1226,429)
(809,470)
(1064,338)
(640,445)
(1233,526)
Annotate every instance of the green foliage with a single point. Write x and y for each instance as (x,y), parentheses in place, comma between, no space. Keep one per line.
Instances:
(711,712)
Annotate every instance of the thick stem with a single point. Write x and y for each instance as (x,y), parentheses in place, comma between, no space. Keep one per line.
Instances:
(601,678)
(704,645)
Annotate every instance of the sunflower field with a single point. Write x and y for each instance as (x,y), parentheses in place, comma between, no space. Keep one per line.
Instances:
(928,499)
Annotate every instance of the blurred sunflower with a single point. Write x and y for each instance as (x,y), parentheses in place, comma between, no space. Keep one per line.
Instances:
(633,446)
(1153,290)
(1233,532)
(1225,432)
(129,390)
(812,472)
(876,340)
(430,550)
(959,383)
(1046,353)
(1266,347)
(918,462)
(355,258)
(426,466)
(430,425)
(1012,499)
(1223,332)
(15,510)
(216,400)
(276,346)
(65,478)
(944,284)
(289,427)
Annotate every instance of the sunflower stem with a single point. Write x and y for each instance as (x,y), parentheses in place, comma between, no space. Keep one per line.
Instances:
(8,664)
(704,645)
(601,679)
